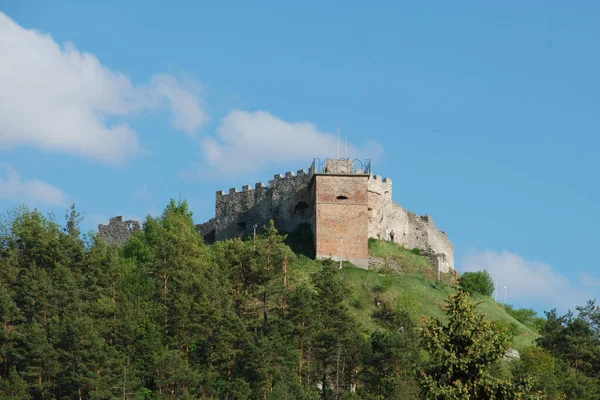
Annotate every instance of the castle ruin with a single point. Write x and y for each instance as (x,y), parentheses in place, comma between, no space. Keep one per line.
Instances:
(117,231)
(343,206)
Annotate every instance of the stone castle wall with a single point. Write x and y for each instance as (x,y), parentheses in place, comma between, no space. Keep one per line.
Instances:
(288,200)
(238,211)
(410,230)
(117,231)
(292,199)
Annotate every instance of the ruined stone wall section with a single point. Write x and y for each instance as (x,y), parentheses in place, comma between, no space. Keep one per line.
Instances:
(440,243)
(380,198)
(117,231)
(410,230)
(293,198)
(413,231)
(286,199)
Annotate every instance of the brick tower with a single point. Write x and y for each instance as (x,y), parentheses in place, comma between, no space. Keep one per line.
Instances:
(341,209)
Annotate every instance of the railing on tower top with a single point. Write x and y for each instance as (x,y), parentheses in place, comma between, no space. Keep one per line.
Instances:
(318,166)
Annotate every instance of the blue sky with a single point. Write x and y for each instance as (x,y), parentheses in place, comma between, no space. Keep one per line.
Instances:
(484,115)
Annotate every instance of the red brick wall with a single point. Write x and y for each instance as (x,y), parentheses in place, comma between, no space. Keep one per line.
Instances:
(347,217)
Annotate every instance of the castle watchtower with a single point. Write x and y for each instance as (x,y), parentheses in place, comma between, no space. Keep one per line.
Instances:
(341,204)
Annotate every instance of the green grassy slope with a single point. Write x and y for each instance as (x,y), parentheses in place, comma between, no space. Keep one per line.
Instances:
(415,289)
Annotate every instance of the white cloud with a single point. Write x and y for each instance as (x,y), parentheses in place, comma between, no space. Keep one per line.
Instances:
(529,282)
(32,191)
(187,108)
(59,99)
(586,279)
(247,141)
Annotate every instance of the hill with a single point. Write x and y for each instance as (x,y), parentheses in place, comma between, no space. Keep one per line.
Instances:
(168,316)
(406,279)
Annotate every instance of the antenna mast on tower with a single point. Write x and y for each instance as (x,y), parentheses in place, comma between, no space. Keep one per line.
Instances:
(338,143)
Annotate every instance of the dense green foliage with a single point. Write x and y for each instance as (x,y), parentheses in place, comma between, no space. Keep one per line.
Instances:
(526,316)
(167,316)
(570,361)
(477,282)
(462,355)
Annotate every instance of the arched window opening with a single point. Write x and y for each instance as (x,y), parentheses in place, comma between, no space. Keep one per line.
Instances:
(342,197)
(300,208)
(240,227)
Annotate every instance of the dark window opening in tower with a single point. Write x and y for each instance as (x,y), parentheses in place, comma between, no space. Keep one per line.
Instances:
(342,198)
(300,208)
(240,227)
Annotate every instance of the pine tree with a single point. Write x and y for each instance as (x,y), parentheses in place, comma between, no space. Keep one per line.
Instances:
(461,355)
(269,266)
(390,356)
(337,336)
(303,317)
(13,386)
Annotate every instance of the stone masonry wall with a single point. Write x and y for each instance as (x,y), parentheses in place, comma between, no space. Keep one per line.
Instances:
(312,198)
(380,199)
(117,231)
(411,230)
(341,202)
(287,200)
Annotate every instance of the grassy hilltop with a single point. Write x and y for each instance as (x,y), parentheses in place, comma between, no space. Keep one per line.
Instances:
(412,286)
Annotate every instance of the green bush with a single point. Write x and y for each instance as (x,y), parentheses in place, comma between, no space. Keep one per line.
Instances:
(378,289)
(416,251)
(509,327)
(477,282)
(526,316)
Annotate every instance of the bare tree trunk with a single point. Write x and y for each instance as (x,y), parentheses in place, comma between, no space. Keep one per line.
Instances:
(285,284)
(301,358)
(228,376)
(165,291)
(265,309)
(125,381)
(337,372)
(160,390)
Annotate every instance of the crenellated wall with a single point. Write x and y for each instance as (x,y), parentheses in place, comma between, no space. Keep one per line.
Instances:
(287,199)
(349,203)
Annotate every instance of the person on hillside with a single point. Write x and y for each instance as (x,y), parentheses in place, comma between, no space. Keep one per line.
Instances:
(392,235)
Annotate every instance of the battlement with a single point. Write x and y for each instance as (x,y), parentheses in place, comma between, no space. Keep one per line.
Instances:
(302,174)
(277,179)
(335,197)
(378,178)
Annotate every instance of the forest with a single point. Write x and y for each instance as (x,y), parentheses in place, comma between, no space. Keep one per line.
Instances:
(166,316)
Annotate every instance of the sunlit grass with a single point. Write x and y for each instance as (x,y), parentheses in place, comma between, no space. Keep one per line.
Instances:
(415,289)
